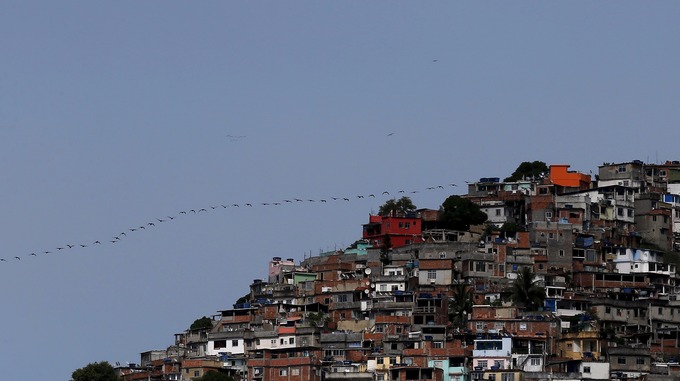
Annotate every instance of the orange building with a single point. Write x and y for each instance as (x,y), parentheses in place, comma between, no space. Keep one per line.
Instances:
(562,176)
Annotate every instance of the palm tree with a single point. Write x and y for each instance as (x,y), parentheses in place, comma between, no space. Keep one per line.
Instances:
(526,290)
(460,304)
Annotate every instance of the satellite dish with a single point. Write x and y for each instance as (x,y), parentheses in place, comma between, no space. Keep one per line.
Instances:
(367,291)
(372,285)
(367,271)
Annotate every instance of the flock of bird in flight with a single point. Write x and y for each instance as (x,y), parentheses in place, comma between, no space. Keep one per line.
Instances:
(118,237)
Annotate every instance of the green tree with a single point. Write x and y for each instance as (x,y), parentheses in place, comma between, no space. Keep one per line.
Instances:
(204,322)
(213,375)
(459,213)
(318,319)
(96,371)
(460,304)
(244,299)
(396,207)
(526,290)
(528,169)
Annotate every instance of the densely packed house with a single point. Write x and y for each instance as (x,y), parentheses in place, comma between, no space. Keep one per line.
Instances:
(413,300)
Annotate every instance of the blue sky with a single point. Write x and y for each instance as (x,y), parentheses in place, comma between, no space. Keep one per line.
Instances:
(116,114)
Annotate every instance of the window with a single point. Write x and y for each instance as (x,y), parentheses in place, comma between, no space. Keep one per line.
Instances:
(480,266)
(220,344)
(621,360)
(640,361)
(431,274)
(561,253)
(630,212)
(548,214)
(586,369)
(197,373)
(607,310)
(291,340)
(507,377)
(295,371)
(383,287)
(379,360)
(498,212)
(283,372)
(234,343)
(551,235)
(479,325)
(341,298)
(483,364)
(622,168)
(535,361)
(437,344)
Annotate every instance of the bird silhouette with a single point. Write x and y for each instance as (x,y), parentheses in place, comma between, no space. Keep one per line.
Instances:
(151,224)
(114,241)
(3,260)
(310,200)
(264,203)
(160,220)
(346,199)
(371,195)
(276,203)
(193,210)
(385,192)
(236,205)
(17,258)
(224,206)
(454,185)
(133,229)
(322,200)
(335,198)
(97,242)
(414,192)
(141,227)
(203,210)
(429,188)
(297,199)
(213,207)
(123,233)
(249,205)
(171,217)
(360,196)
(83,245)
(70,246)
(60,248)
(390,134)
(34,254)
(182,212)
(401,191)
(440,186)
(47,252)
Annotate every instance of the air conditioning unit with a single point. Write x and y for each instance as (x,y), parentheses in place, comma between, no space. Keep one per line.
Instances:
(432,281)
